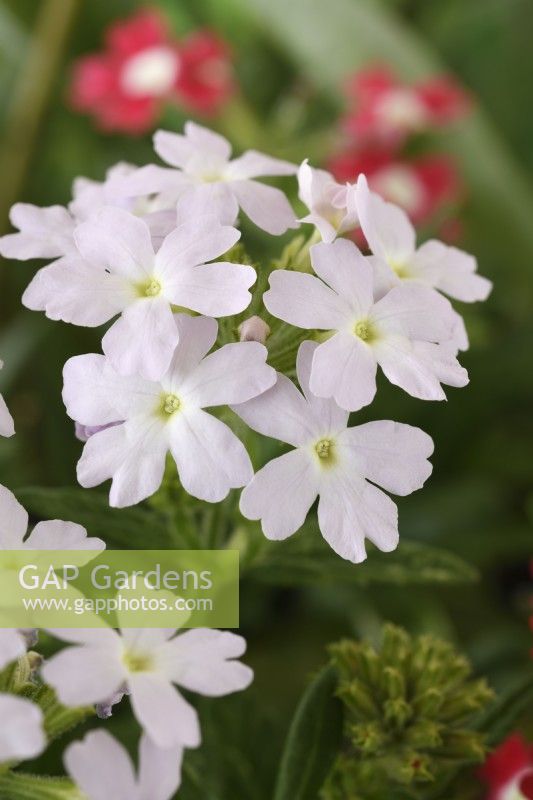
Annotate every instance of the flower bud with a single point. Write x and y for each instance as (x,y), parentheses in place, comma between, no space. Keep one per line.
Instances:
(254,329)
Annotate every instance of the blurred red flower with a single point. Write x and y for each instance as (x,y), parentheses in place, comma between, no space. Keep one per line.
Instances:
(509,770)
(388,111)
(143,66)
(420,185)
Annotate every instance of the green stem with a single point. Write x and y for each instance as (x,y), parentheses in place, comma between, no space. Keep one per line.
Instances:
(31,96)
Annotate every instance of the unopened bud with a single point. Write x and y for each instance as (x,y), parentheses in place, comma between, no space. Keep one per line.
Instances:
(254,329)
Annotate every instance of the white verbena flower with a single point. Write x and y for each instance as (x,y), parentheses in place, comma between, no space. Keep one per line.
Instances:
(7,426)
(332,208)
(407,332)
(22,733)
(148,662)
(339,465)
(102,768)
(119,273)
(391,237)
(167,416)
(202,178)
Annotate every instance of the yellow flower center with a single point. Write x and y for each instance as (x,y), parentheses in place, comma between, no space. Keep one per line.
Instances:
(364,330)
(324,449)
(151,288)
(137,662)
(170,403)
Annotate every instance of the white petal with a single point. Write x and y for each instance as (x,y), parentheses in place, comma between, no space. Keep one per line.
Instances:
(149,180)
(173,148)
(255,165)
(197,335)
(281,413)
(452,271)
(142,341)
(74,291)
(207,142)
(95,394)
(233,374)
(408,369)
(387,228)
(133,455)
(86,674)
(58,535)
(441,360)
(267,207)
(21,733)
(163,713)
(159,770)
(342,267)
(281,494)
(118,241)
(330,417)
(390,454)
(139,639)
(210,459)
(415,311)
(350,510)
(12,646)
(344,368)
(101,767)
(305,301)
(203,661)
(194,242)
(217,290)
(214,199)
(7,426)
(13,521)
(44,233)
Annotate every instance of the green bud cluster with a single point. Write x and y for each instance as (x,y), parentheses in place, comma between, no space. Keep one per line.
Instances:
(409,709)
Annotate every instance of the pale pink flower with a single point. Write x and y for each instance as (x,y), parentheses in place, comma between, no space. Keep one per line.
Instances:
(337,464)
(7,426)
(118,273)
(167,416)
(147,662)
(201,178)
(22,733)
(331,205)
(407,332)
(102,768)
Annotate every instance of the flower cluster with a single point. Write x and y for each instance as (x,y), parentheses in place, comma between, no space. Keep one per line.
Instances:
(148,246)
(144,66)
(383,119)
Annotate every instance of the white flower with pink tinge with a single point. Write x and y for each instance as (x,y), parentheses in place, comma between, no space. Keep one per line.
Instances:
(7,426)
(331,205)
(391,237)
(147,662)
(102,768)
(202,178)
(22,733)
(167,416)
(120,274)
(337,464)
(407,332)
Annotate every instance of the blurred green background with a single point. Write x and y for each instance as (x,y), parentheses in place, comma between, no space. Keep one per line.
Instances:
(291,57)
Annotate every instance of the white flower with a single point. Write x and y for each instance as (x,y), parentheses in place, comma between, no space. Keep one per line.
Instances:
(43,233)
(167,416)
(101,767)
(332,462)
(392,238)
(7,426)
(404,332)
(203,179)
(21,732)
(147,662)
(331,205)
(121,274)
(12,645)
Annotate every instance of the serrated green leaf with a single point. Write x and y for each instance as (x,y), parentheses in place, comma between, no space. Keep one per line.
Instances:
(119,528)
(19,786)
(313,741)
(411,563)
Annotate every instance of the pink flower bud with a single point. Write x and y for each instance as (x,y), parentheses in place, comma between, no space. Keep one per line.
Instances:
(254,329)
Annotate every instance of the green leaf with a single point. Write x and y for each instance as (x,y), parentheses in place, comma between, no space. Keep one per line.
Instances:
(511,704)
(412,563)
(313,741)
(120,528)
(330,41)
(19,786)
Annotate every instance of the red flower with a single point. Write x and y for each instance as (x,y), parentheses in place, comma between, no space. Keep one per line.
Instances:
(420,186)
(509,770)
(387,110)
(143,66)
